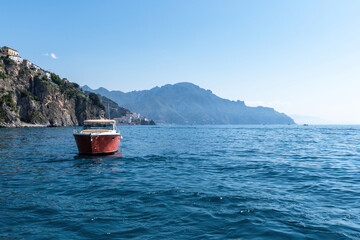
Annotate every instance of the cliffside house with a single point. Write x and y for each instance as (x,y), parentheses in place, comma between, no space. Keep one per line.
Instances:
(9,51)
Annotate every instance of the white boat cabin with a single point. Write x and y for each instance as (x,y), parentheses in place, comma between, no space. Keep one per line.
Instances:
(99,126)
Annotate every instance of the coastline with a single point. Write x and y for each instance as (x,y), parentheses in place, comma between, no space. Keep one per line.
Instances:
(22,125)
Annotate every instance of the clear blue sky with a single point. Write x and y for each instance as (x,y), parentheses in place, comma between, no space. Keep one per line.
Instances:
(300,57)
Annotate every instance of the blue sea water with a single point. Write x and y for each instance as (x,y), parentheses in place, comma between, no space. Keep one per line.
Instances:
(183,182)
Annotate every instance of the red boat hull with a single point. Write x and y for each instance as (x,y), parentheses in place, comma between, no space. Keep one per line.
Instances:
(97,144)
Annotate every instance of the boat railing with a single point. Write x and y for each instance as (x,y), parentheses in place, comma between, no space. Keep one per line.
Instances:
(75,130)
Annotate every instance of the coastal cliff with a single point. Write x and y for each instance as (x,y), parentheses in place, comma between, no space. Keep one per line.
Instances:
(30,95)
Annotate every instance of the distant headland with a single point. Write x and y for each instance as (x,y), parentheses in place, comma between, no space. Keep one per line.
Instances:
(186,103)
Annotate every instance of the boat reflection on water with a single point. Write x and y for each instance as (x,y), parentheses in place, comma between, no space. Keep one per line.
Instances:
(85,156)
(96,159)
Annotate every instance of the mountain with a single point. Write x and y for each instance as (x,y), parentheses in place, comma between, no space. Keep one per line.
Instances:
(186,103)
(122,115)
(30,96)
(113,110)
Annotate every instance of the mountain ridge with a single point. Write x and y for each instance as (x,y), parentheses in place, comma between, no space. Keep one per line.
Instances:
(187,103)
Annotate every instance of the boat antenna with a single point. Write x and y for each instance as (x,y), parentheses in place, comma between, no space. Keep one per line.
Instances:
(109,111)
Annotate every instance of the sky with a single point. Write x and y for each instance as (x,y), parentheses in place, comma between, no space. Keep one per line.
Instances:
(301,57)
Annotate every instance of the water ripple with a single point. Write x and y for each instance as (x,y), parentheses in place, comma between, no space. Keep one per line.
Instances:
(183,182)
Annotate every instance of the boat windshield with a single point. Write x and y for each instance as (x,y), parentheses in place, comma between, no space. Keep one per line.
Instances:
(108,127)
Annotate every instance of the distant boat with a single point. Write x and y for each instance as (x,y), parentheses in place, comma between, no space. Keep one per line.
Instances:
(98,136)
(305,124)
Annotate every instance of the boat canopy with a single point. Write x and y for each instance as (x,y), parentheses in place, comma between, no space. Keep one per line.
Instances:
(96,122)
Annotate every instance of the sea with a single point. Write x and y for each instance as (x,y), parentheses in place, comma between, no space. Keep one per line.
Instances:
(183,182)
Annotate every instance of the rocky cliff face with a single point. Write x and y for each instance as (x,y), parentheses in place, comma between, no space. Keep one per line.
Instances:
(31,95)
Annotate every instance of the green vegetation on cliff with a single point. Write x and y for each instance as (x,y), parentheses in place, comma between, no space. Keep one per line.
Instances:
(95,100)
(3,75)
(29,94)
(8,101)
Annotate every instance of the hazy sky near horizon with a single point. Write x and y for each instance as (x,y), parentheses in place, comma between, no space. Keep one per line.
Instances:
(300,57)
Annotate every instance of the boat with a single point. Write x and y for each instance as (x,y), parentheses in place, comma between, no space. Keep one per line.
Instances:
(98,136)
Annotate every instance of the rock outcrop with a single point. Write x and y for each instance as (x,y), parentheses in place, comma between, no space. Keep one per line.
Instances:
(30,95)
